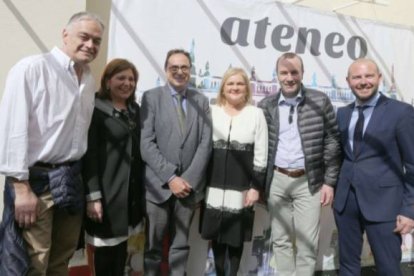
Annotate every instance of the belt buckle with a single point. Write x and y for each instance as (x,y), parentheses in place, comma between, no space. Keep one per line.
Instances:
(296,173)
(292,173)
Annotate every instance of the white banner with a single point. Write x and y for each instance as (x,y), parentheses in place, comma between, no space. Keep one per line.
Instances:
(251,34)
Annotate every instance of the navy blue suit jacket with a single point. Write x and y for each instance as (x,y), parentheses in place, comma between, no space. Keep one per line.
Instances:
(383,173)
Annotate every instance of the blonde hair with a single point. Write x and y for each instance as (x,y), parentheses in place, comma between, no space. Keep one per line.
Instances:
(221,99)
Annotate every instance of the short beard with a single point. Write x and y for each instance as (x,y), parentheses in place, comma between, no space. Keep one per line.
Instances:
(364,100)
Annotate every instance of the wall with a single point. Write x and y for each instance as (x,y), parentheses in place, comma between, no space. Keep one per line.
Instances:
(397,12)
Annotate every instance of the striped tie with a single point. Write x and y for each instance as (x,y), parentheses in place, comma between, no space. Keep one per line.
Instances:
(180,111)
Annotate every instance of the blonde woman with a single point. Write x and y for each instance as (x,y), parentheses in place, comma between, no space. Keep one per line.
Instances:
(236,170)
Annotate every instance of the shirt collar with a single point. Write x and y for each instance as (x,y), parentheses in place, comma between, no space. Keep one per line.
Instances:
(290,101)
(175,92)
(64,60)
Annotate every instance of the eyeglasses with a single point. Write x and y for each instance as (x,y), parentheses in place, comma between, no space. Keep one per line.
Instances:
(175,68)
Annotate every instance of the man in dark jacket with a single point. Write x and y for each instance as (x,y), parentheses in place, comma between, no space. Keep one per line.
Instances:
(375,191)
(303,164)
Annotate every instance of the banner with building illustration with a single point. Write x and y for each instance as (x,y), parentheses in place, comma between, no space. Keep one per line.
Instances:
(251,34)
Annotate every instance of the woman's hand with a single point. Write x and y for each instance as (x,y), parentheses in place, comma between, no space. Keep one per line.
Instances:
(94,210)
(252,197)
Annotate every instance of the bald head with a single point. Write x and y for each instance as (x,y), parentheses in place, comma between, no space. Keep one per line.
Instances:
(363,61)
(364,79)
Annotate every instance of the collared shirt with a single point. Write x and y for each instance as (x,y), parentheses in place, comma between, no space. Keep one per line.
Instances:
(183,93)
(289,152)
(370,105)
(46,113)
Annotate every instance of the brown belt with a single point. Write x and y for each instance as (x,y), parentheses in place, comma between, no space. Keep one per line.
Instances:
(290,173)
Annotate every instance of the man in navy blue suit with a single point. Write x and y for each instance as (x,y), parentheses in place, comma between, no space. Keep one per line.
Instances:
(375,189)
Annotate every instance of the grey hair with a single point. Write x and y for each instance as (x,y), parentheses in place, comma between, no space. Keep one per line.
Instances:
(85,16)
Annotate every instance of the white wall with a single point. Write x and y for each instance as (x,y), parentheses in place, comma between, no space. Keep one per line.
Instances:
(396,12)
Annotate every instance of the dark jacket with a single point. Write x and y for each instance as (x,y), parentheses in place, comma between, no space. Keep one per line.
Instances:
(112,169)
(382,174)
(318,131)
(14,259)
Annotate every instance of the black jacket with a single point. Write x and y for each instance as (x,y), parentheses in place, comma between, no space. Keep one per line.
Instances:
(112,169)
(318,131)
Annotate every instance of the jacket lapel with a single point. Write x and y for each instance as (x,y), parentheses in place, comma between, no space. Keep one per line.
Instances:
(346,121)
(168,104)
(106,107)
(376,119)
(193,108)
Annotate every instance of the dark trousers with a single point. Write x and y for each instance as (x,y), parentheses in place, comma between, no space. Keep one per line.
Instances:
(110,260)
(220,250)
(384,243)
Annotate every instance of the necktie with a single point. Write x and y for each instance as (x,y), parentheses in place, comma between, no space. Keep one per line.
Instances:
(359,129)
(180,111)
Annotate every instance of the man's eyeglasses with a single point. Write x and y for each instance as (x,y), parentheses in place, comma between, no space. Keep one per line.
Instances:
(175,69)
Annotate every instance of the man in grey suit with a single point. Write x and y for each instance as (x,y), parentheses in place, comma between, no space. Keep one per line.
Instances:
(176,146)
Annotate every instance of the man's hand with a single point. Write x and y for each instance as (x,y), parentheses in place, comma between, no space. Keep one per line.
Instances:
(179,187)
(94,210)
(26,206)
(404,225)
(252,197)
(327,195)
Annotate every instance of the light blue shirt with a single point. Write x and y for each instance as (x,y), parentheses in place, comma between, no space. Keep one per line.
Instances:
(183,93)
(289,153)
(370,105)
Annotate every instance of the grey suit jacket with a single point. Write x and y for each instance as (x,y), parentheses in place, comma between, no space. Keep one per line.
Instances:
(166,151)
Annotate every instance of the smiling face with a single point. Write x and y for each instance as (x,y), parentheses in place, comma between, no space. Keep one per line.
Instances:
(121,86)
(178,71)
(290,75)
(364,79)
(235,91)
(82,40)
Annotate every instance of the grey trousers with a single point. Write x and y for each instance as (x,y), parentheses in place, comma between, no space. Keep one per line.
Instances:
(294,214)
(175,218)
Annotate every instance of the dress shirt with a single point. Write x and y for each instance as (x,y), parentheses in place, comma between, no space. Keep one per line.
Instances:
(289,152)
(370,105)
(183,93)
(46,113)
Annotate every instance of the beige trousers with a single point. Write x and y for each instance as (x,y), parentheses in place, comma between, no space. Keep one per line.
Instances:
(294,214)
(52,240)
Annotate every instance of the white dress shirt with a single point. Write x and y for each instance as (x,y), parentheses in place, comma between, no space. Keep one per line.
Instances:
(45,113)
